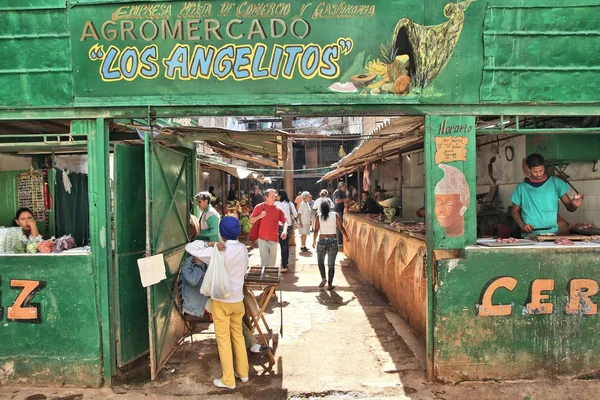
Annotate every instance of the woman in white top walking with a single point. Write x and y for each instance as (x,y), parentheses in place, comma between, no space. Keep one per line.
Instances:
(327,221)
(304,219)
(288,208)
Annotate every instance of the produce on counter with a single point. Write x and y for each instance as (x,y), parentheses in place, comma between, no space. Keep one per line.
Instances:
(20,247)
(245,224)
(46,246)
(64,243)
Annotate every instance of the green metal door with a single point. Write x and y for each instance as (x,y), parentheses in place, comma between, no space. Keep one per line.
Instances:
(131,309)
(169,190)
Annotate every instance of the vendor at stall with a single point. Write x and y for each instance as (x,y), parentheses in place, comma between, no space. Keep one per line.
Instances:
(24,219)
(535,200)
(209,218)
(369,205)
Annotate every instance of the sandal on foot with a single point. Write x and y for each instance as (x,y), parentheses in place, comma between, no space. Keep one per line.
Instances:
(330,287)
(323,282)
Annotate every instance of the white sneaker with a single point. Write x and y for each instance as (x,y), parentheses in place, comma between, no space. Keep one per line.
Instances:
(219,383)
(243,379)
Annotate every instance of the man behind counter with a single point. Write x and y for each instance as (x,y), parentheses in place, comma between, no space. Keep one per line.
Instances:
(369,205)
(535,200)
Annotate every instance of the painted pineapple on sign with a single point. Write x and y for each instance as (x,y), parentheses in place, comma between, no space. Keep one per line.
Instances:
(411,61)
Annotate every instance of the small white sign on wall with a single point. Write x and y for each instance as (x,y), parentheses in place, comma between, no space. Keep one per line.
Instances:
(152,270)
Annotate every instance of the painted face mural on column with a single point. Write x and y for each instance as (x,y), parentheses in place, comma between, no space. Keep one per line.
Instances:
(452,198)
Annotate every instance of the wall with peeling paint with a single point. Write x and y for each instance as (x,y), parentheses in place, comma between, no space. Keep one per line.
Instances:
(520,345)
(61,346)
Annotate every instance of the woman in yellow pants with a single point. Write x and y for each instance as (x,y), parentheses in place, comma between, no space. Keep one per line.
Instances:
(228,313)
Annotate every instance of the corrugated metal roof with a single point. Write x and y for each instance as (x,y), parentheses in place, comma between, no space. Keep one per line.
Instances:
(386,140)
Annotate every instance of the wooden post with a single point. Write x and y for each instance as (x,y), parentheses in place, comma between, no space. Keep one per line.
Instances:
(400,184)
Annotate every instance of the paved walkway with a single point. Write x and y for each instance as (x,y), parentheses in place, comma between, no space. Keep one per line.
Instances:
(336,344)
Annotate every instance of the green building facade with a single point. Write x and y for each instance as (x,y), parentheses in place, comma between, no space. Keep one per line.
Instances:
(90,61)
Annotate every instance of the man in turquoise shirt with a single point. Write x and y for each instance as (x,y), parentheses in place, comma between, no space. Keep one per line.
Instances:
(535,200)
(208,220)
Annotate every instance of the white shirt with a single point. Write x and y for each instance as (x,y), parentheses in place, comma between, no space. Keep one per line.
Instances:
(305,213)
(285,207)
(318,202)
(328,227)
(236,264)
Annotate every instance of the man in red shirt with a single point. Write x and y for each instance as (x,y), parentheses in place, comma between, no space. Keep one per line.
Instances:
(270,216)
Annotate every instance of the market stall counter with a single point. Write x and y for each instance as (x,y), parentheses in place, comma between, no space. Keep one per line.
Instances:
(50,317)
(392,257)
(524,311)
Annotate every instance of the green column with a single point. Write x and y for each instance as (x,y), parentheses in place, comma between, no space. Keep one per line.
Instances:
(450,197)
(100,228)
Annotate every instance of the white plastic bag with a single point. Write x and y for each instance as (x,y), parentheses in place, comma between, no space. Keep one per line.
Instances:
(216,282)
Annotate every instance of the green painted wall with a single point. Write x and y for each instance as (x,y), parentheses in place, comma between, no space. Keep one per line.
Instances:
(521,345)
(63,346)
(35,56)
(472,52)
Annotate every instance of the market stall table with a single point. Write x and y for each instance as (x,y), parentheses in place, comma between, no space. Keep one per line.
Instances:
(266,279)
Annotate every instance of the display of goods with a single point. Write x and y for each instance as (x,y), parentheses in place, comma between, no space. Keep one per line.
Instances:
(507,240)
(375,217)
(583,225)
(9,237)
(564,242)
(20,247)
(31,247)
(45,246)
(64,243)
(245,224)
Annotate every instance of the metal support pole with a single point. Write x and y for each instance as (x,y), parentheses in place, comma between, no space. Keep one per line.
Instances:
(100,231)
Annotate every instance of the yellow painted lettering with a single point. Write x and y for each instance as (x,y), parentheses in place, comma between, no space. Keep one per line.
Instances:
(535,306)
(486,308)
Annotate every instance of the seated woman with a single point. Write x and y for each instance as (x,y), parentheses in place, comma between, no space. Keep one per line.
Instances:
(24,219)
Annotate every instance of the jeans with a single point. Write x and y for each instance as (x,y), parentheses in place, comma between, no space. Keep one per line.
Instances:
(192,276)
(340,237)
(285,246)
(268,253)
(327,247)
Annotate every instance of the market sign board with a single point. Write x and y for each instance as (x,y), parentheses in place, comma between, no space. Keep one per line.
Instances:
(373,51)
(451,205)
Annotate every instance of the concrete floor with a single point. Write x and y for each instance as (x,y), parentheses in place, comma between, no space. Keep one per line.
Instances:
(341,344)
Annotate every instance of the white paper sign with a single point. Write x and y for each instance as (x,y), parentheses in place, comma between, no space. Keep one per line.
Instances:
(152,269)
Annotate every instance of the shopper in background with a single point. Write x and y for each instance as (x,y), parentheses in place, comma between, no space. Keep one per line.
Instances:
(322,197)
(208,218)
(232,196)
(288,208)
(256,197)
(313,212)
(340,198)
(270,217)
(298,200)
(327,222)
(304,219)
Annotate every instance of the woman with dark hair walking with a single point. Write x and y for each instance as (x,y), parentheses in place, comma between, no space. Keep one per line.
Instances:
(327,222)
(288,208)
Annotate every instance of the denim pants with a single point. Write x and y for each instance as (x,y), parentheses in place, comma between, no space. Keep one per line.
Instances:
(329,247)
(285,246)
